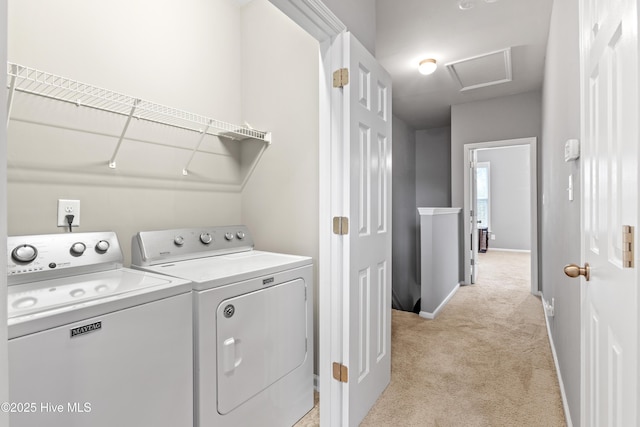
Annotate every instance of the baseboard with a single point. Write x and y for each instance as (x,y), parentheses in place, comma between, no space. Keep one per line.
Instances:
(565,403)
(427,315)
(527,251)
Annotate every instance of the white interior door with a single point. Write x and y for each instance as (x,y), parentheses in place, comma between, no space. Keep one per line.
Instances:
(609,56)
(4,363)
(473,215)
(366,337)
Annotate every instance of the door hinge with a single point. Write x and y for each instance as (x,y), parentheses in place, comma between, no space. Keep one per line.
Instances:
(471,214)
(340,372)
(340,225)
(341,77)
(473,262)
(627,246)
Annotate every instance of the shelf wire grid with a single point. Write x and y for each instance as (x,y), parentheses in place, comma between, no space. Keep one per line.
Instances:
(30,80)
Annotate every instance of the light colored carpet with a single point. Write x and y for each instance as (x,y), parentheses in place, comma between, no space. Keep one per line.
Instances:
(484,361)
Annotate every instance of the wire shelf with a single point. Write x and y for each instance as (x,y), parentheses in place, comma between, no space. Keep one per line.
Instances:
(36,82)
(42,83)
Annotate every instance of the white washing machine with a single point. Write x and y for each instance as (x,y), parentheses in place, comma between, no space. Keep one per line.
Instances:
(92,343)
(253,323)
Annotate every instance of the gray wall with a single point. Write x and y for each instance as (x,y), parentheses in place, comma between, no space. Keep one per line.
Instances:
(509,117)
(439,260)
(433,167)
(359,16)
(406,289)
(510,205)
(560,243)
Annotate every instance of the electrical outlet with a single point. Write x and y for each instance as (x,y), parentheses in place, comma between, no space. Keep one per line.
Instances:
(493,236)
(68,207)
(549,309)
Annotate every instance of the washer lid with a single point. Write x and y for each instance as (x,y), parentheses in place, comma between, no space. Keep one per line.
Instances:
(37,306)
(222,270)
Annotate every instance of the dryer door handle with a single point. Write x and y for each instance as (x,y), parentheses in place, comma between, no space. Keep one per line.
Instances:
(230,361)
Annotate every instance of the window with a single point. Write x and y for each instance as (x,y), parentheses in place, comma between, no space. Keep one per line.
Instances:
(483,187)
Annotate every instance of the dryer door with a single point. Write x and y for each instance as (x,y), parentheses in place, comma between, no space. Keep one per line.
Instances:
(261,337)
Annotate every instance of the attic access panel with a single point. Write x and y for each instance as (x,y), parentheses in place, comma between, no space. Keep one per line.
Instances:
(483,70)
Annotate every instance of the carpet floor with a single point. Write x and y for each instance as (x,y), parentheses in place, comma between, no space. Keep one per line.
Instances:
(485,361)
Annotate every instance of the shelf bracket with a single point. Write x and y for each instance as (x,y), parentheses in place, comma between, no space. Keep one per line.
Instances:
(12,91)
(112,162)
(185,170)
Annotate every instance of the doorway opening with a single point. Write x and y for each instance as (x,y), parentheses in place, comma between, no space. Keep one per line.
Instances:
(500,205)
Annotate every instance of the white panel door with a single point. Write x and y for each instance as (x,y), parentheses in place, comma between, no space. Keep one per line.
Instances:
(609,56)
(367,261)
(473,215)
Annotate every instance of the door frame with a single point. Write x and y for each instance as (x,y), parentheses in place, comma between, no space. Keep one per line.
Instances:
(4,344)
(533,162)
(320,22)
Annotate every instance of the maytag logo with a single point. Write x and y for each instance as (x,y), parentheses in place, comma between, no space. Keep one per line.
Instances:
(81,330)
(267,281)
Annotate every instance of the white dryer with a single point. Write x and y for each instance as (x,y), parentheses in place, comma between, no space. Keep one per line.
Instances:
(92,343)
(253,323)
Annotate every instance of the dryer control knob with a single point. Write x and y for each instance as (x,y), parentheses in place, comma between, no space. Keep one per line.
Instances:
(78,248)
(228,236)
(240,235)
(102,246)
(206,238)
(24,253)
(179,240)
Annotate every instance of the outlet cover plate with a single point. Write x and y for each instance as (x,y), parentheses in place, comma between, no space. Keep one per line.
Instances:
(68,207)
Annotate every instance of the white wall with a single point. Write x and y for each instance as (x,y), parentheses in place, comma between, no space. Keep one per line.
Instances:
(280,64)
(510,202)
(433,167)
(4,361)
(182,54)
(359,16)
(560,228)
(405,280)
(509,117)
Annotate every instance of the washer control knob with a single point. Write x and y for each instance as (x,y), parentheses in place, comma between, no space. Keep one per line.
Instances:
(24,253)
(206,238)
(102,246)
(78,248)
(228,236)
(179,240)
(240,235)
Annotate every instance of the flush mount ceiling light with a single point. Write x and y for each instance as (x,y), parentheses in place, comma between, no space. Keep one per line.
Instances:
(427,66)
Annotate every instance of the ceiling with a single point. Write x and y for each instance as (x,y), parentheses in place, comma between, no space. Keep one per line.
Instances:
(411,30)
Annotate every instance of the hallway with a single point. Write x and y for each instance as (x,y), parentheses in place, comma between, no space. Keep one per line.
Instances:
(484,361)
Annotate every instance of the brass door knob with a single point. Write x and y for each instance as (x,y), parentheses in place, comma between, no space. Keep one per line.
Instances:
(573,270)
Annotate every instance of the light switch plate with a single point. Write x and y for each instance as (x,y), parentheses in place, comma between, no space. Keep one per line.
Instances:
(571,150)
